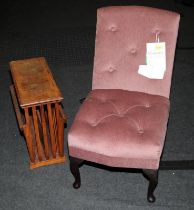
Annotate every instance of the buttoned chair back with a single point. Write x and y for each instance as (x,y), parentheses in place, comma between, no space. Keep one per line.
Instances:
(121,37)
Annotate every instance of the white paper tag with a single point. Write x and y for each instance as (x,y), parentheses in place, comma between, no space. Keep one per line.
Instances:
(156,55)
(149,72)
(155,60)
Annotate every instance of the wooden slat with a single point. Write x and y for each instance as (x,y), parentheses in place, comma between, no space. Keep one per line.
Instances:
(40,125)
(31,126)
(48,162)
(60,125)
(37,135)
(62,114)
(47,129)
(17,108)
(44,129)
(55,125)
(29,136)
(52,134)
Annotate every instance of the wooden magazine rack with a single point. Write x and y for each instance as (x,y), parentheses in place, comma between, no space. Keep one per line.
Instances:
(37,103)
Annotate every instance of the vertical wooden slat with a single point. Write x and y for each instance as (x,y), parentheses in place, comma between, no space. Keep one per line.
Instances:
(44,129)
(33,134)
(19,115)
(37,135)
(55,125)
(29,136)
(52,135)
(40,126)
(60,125)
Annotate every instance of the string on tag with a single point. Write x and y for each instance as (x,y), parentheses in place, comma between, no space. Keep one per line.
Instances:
(157,37)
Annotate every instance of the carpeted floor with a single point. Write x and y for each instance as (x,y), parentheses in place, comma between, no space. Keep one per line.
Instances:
(64,33)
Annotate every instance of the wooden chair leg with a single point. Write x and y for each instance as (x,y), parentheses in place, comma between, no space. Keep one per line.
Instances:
(152,176)
(74,167)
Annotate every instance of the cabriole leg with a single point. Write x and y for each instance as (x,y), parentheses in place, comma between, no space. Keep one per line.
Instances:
(74,167)
(152,176)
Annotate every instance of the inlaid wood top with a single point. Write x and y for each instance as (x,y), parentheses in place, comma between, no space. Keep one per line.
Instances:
(34,82)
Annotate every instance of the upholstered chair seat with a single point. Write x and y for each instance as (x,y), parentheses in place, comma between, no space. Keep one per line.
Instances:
(132,124)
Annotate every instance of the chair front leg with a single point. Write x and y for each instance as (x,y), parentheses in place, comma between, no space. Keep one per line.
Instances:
(152,176)
(74,167)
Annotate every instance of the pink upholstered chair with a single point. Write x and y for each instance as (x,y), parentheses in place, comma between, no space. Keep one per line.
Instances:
(122,122)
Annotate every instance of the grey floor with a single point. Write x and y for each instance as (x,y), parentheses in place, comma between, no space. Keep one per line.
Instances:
(64,33)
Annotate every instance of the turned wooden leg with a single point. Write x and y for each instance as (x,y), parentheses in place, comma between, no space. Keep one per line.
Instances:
(74,167)
(152,176)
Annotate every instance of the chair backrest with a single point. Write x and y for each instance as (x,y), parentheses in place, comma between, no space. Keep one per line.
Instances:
(121,37)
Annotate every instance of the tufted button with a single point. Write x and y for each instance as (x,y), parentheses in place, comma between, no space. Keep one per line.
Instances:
(113,28)
(140,131)
(93,124)
(147,106)
(111,69)
(157,31)
(133,51)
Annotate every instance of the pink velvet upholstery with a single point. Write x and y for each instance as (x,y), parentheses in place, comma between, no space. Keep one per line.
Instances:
(121,37)
(120,128)
(123,120)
